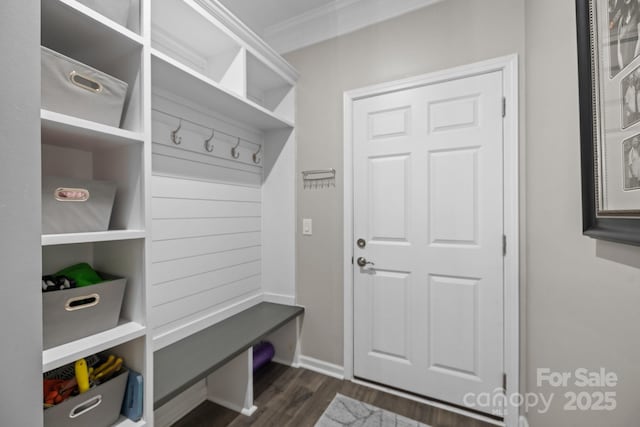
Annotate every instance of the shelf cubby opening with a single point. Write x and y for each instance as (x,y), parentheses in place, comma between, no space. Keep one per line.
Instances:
(173,78)
(121,259)
(116,16)
(268,88)
(121,164)
(118,258)
(69,32)
(132,353)
(203,46)
(123,13)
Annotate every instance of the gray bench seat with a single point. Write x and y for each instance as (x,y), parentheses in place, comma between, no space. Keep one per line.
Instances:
(183,363)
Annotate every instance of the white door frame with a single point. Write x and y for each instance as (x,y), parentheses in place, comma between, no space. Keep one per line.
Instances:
(509,67)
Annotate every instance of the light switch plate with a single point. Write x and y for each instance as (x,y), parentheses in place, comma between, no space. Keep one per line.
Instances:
(307,226)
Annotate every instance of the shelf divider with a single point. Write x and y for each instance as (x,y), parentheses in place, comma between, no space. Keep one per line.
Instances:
(72,14)
(126,422)
(90,237)
(72,132)
(66,353)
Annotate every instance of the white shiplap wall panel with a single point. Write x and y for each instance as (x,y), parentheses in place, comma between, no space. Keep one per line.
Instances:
(189,208)
(170,316)
(206,227)
(166,250)
(180,228)
(193,266)
(185,287)
(182,188)
(175,166)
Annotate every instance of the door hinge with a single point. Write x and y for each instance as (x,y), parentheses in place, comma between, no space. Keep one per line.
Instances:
(504,245)
(504,107)
(351,260)
(504,382)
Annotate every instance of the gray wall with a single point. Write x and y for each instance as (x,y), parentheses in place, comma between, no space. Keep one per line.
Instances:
(412,44)
(582,295)
(20,291)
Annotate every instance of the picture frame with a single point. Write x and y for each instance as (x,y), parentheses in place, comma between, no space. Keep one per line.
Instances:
(608,36)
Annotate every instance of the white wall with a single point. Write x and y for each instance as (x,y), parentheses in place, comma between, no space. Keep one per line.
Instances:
(20,292)
(412,44)
(582,295)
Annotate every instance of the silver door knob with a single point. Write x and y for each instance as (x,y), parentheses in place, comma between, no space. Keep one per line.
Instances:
(362,262)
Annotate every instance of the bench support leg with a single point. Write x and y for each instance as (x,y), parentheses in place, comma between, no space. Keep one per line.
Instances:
(231,385)
(286,342)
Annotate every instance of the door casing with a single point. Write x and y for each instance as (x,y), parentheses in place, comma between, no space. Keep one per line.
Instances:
(508,65)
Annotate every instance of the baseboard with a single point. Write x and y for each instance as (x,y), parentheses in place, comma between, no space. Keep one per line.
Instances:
(248,412)
(235,408)
(279,298)
(285,362)
(523,421)
(322,367)
(180,405)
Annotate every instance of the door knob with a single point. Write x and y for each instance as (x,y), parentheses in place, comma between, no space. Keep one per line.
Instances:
(362,262)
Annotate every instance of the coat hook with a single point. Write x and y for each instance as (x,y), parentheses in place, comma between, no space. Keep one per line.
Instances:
(207,142)
(256,158)
(235,153)
(174,134)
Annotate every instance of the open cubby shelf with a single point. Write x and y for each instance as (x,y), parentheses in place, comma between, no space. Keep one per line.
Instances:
(73,147)
(205,46)
(175,77)
(120,164)
(269,88)
(96,28)
(76,31)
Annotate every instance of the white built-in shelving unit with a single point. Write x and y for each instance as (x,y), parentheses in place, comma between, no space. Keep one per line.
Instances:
(77,148)
(188,63)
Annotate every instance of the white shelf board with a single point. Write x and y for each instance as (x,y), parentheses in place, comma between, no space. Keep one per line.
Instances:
(96,236)
(126,422)
(72,132)
(66,353)
(175,77)
(58,16)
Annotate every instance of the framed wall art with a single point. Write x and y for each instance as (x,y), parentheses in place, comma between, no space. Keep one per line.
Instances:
(609,85)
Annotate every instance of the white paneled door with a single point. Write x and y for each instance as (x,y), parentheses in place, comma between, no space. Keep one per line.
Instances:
(428,206)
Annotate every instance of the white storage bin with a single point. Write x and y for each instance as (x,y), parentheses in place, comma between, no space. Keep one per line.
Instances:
(75,205)
(73,88)
(71,314)
(98,407)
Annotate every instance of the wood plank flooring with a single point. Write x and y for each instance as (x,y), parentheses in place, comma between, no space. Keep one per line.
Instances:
(288,397)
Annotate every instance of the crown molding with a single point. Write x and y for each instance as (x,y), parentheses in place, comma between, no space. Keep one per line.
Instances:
(256,45)
(335,19)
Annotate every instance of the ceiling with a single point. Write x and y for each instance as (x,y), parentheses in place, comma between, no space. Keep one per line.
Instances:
(288,25)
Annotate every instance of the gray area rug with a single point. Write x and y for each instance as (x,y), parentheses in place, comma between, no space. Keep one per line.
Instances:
(344,411)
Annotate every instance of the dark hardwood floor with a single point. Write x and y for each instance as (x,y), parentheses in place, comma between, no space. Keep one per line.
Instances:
(288,397)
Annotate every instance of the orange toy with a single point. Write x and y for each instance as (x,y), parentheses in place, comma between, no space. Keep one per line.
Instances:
(56,391)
